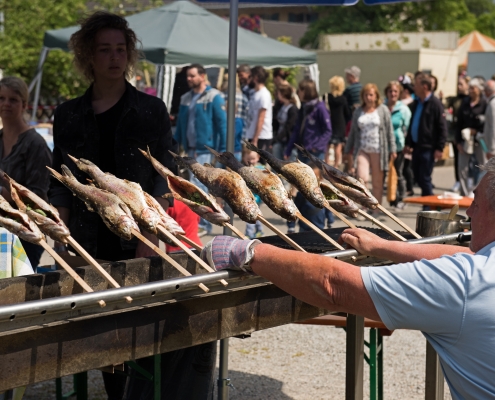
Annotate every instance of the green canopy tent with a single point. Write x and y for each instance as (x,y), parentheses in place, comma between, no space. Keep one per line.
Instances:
(183,33)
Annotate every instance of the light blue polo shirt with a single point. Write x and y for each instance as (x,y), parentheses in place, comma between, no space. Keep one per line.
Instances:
(451,300)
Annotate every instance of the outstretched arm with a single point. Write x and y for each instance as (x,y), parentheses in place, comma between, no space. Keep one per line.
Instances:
(369,244)
(320,281)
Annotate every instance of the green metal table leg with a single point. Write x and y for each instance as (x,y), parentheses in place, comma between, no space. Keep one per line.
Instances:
(157,377)
(380,366)
(58,389)
(80,387)
(373,365)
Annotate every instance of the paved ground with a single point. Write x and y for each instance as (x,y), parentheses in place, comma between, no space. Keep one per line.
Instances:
(305,362)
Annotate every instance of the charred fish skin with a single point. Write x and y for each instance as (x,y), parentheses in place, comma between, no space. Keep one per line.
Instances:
(18,223)
(192,196)
(353,188)
(114,212)
(43,214)
(159,167)
(198,201)
(298,174)
(130,193)
(342,203)
(227,185)
(264,183)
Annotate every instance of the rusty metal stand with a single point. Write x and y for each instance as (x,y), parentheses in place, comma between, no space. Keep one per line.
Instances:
(354,357)
(434,376)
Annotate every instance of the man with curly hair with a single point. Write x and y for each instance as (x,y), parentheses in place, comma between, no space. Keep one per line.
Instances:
(107,125)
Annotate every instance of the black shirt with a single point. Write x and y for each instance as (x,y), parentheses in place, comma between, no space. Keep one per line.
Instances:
(108,244)
(339,114)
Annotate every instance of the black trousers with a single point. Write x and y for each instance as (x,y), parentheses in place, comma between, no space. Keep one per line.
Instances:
(422,164)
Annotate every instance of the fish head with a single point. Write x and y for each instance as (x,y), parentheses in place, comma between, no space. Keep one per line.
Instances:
(126,225)
(150,218)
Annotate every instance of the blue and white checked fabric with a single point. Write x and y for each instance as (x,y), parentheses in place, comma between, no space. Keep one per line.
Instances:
(242,102)
(13,258)
(226,252)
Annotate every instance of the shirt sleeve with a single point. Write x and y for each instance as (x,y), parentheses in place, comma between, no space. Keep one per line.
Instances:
(266,100)
(423,295)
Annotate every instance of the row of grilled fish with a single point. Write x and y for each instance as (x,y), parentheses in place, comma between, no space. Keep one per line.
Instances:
(121,203)
(233,186)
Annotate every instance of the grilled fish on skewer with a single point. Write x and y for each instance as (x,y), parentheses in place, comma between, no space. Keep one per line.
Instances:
(196,199)
(129,192)
(114,212)
(45,215)
(225,184)
(264,183)
(351,187)
(18,223)
(167,221)
(297,173)
(338,200)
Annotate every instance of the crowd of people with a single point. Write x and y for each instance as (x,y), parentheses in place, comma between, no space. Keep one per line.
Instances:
(361,129)
(368,130)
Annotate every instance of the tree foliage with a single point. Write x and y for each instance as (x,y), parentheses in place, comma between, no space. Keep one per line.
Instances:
(436,15)
(22,40)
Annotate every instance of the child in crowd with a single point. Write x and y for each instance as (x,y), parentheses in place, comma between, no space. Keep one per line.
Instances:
(317,216)
(251,158)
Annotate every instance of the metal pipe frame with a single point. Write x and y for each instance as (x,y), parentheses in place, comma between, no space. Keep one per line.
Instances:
(152,290)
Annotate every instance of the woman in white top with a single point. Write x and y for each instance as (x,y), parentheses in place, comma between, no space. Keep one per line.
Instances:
(371,142)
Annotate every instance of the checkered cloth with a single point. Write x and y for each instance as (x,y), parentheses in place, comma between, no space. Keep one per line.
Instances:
(13,258)
(241,102)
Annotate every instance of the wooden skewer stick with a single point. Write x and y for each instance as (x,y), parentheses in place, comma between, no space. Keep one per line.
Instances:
(319,231)
(236,231)
(166,257)
(69,270)
(400,222)
(383,226)
(281,234)
(188,251)
(91,261)
(190,242)
(340,216)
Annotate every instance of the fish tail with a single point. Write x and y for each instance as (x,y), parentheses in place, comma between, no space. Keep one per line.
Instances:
(56,174)
(67,173)
(251,146)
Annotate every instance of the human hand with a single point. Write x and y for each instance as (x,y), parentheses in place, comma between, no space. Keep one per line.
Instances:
(143,250)
(438,155)
(393,156)
(460,148)
(362,240)
(489,155)
(407,150)
(226,252)
(254,142)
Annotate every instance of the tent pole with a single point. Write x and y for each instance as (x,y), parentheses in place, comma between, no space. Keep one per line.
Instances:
(37,80)
(223,379)
(160,71)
